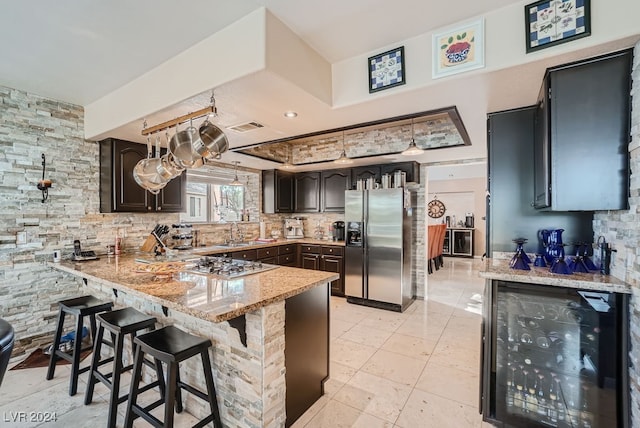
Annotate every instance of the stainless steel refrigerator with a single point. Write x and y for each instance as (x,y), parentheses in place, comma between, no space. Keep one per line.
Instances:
(380,247)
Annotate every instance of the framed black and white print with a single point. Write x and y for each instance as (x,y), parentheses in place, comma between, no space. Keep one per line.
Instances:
(551,22)
(386,70)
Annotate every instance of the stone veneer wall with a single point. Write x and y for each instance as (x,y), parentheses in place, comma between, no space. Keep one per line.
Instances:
(622,230)
(30,126)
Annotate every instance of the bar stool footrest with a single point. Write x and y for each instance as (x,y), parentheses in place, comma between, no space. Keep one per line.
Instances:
(193,390)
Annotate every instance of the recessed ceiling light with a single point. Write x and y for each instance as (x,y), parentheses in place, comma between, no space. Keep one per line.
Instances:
(290,114)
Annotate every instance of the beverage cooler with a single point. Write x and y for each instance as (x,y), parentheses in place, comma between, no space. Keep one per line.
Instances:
(554,357)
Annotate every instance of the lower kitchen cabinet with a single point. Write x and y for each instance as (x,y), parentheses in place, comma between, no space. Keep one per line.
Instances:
(287,255)
(327,258)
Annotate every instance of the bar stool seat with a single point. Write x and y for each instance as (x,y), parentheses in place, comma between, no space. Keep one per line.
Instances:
(79,307)
(171,346)
(118,323)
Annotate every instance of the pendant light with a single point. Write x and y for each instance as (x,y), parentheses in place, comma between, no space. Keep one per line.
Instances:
(412,150)
(343,159)
(235,181)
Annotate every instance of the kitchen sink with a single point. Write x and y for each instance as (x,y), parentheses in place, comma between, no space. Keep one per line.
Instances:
(234,245)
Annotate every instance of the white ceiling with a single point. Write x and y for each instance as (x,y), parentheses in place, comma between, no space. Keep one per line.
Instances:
(80,50)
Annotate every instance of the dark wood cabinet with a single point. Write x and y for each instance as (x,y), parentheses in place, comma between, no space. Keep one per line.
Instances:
(582,135)
(510,212)
(119,191)
(249,255)
(277,192)
(411,169)
(287,255)
(309,256)
(333,184)
(364,172)
(332,260)
(307,192)
(326,258)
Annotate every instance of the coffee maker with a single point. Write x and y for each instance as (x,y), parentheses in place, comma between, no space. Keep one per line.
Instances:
(337,229)
(468,220)
(293,228)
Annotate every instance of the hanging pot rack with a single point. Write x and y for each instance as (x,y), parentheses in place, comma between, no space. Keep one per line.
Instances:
(178,120)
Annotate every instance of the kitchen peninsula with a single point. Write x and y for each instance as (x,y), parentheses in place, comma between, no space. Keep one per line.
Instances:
(270,330)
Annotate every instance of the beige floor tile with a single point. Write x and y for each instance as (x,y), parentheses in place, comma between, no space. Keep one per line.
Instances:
(458,358)
(339,327)
(384,320)
(427,410)
(311,412)
(420,329)
(395,367)
(469,341)
(29,381)
(411,346)
(338,415)
(340,372)
(350,353)
(374,395)
(465,324)
(450,383)
(366,335)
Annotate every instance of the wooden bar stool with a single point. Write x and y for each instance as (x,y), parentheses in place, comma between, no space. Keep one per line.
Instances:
(171,346)
(119,323)
(80,307)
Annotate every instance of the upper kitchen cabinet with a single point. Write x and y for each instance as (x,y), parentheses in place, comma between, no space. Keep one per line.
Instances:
(277,192)
(333,184)
(364,172)
(307,192)
(119,191)
(411,169)
(582,135)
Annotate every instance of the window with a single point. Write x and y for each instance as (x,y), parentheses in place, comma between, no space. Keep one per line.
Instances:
(211,200)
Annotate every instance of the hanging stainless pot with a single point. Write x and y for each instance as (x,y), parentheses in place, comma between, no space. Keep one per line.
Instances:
(168,168)
(212,141)
(181,146)
(146,175)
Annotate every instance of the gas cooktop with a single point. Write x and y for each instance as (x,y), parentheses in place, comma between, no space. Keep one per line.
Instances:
(228,268)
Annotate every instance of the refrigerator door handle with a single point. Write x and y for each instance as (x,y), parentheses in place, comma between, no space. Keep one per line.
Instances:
(365,244)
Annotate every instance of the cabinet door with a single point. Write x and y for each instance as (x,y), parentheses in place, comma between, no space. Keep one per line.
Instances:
(334,264)
(364,172)
(277,192)
(284,192)
(541,161)
(411,169)
(119,192)
(307,191)
(171,198)
(334,183)
(590,111)
(310,261)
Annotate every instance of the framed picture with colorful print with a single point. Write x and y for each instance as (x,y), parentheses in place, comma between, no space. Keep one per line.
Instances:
(551,22)
(386,70)
(459,49)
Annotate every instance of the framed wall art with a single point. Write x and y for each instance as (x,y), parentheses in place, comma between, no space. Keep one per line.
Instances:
(551,22)
(386,70)
(458,49)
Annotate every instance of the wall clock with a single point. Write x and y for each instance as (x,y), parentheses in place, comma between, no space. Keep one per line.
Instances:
(436,209)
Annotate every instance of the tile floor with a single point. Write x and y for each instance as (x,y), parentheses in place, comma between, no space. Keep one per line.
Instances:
(415,369)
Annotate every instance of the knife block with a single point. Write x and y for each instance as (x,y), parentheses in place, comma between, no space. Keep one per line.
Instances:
(148,244)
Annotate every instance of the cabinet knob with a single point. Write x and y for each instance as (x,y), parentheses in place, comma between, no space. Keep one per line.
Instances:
(149,208)
(159,208)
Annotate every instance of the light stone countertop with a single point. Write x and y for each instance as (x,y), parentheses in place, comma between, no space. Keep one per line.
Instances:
(219,248)
(499,269)
(204,296)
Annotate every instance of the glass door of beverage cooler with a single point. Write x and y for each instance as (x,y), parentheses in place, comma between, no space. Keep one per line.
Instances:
(558,357)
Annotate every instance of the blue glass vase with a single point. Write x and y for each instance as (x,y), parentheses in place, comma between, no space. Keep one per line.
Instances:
(552,243)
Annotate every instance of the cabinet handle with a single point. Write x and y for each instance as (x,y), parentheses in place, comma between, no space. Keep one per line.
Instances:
(149,208)
(159,208)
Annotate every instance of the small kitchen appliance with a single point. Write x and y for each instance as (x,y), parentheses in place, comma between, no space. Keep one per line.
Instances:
(293,228)
(468,220)
(338,230)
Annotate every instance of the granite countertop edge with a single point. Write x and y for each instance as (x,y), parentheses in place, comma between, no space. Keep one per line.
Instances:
(499,269)
(323,278)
